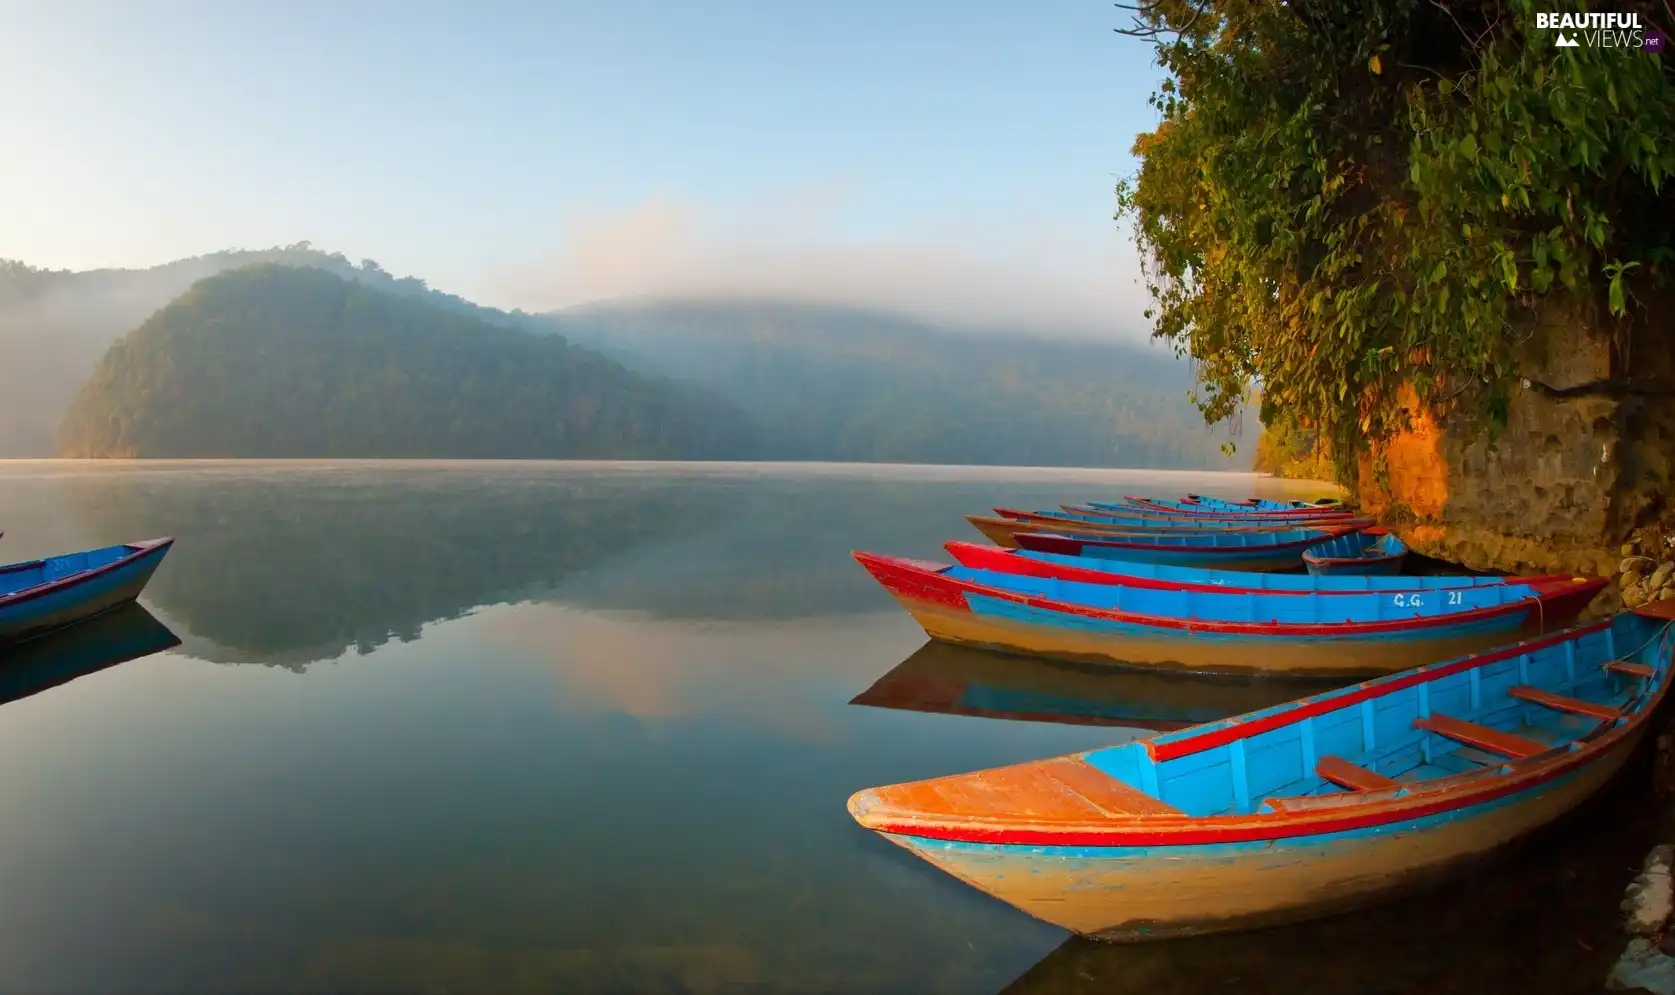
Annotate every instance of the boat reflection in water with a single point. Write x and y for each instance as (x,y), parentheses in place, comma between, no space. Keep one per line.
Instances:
(118,636)
(957,680)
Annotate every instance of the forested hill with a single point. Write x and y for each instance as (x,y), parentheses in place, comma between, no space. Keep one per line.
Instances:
(55,324)
(832,383)
(277,361)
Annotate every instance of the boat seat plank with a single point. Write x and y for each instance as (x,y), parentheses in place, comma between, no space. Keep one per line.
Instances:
(1352,776)
(1563,703)
(1470,733)
(1630,669)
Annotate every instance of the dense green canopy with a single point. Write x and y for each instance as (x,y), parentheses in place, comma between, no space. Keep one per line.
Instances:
(1345,199)
(274,361)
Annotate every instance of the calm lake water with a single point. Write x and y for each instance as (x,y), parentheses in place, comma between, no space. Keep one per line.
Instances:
(542,727)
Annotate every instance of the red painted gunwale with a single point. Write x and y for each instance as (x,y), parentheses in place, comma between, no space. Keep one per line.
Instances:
(1372,809)
(886,569)
(141,548)
(996,558)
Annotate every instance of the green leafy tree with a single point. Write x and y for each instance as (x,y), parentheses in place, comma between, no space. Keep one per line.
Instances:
(1361,205)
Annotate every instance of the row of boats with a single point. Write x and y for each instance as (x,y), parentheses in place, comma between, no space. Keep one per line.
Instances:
(1480,712)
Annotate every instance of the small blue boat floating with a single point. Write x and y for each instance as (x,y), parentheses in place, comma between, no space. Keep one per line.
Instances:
(1214,631)
(1328,802)
(1132,573)
(1361,553)
(39,596)
(1278,550)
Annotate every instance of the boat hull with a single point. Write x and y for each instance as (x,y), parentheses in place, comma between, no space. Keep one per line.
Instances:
(36,613)
(1010,627)
(1383,566)
(1131,894)
(1251,558)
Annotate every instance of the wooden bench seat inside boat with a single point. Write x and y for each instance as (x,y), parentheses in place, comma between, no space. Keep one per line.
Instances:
(1563,703)
(1470,733)
(1629,669)
(1065,789)
(1352,776)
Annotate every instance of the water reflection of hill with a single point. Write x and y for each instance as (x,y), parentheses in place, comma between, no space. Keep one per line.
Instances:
(784,553)
(296,564)
(285,564)
(1543,918)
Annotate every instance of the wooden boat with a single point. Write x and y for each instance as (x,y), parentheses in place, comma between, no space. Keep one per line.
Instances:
(1089,570)
(1221,632)
(1201,518)
(1364,553)
(1190,509)
(1206,501)
(1235,551)
(121,635)
(1008,531)
(959,680)
(42,595)
(1126,525)
(1299,810)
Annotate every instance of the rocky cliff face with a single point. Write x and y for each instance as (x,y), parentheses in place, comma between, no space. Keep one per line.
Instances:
(1577,479)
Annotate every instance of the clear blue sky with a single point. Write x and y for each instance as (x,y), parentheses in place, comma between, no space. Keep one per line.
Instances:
(481,145)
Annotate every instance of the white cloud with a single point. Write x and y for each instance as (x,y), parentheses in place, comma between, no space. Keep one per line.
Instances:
(1072,284)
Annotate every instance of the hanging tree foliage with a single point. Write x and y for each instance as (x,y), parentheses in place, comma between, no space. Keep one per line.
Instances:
(1345,199)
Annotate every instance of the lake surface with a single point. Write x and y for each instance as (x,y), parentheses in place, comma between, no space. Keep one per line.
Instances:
(544,727)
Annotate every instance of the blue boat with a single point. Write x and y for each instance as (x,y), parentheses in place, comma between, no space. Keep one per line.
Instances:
(1073,519)
(1211,508)
(1249,632)
(1092,570)
(1278,550)
(39,596)
(1303,809)
(1361,553)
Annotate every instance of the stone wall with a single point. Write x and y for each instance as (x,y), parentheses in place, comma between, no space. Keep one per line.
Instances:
(1580,469)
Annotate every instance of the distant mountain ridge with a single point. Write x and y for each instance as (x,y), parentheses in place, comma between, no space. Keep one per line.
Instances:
(278,361)
(55,324)
(819,382)
(846,384)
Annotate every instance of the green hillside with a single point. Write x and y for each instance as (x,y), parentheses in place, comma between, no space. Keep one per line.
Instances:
(55,324)
(830,383)
(276,361)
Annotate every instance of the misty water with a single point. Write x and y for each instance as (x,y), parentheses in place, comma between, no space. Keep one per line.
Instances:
(577,727)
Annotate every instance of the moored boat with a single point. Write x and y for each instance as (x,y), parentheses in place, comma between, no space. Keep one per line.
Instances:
(1362,553)
(1302,809)
(1225,551)
(1190,509)
(1009,532)
(39,596)
(1089,570)
(1220,632)
(1127,525)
